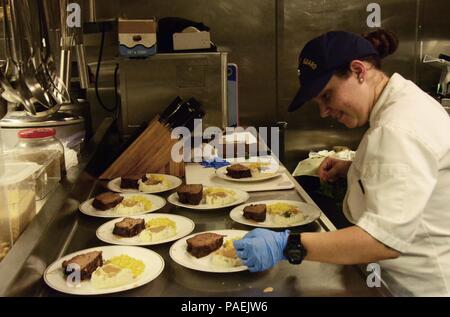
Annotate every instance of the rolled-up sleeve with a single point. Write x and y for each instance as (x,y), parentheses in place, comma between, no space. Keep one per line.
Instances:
(399,173)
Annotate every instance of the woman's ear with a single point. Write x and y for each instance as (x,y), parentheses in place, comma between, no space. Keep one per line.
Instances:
(358,68)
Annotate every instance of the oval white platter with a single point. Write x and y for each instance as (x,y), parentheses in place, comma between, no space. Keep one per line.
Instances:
(114,185)
(154,265)
(87,208)
(178,252)
(309,212)
(184,226)
(240,195)
(222,173)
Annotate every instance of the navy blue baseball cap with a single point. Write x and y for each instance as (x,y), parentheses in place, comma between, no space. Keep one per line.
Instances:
(322,56)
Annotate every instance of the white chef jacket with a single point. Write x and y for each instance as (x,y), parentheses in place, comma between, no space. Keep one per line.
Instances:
(399,188)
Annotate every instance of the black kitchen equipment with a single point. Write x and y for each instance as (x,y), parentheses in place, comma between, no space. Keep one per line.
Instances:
(195,112)
(181,113)
(170,109)
(445,57)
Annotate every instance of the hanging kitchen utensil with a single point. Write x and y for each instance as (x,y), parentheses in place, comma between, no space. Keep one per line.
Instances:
(27,80)
(59,89)
(33,68)
(20,56)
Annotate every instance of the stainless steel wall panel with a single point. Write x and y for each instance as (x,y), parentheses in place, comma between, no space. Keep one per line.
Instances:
(246,29)
(301,20)
(305,19)
(434,39)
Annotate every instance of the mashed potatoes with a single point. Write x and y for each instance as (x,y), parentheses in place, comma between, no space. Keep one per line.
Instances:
(226,256)
(133,204)
(110,275)
(117,271)
(218,196)
(158,229)
(284,214)
(154,183)
(262,169)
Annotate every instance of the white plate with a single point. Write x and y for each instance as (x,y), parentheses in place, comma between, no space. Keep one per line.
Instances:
(114,185)
(184,227)
(88,209)
(154,265)
(222,173)
(241,197)
(310,214)
(179,254)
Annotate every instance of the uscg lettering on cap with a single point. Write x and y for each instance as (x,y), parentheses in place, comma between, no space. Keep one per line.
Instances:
(310,63)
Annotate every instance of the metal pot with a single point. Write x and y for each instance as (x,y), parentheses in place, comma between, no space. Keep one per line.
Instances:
(70,129)
(80,108)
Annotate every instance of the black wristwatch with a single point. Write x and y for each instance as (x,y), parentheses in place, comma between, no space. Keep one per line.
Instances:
(295,252)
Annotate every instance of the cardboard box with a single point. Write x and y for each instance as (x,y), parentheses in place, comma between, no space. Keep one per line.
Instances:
(191,40)
(137,38)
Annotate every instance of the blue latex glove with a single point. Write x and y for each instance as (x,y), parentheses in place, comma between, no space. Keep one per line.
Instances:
(260,249)
(215,163)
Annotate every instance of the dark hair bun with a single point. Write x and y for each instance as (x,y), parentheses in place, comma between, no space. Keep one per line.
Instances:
(384,41)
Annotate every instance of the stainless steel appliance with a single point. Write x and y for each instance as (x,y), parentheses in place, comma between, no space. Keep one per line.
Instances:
(443,89)
(149,85)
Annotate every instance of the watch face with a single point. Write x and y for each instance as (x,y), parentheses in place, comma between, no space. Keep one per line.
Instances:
(294,251)
(294,256)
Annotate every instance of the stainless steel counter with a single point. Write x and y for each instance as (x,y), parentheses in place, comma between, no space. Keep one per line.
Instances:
(60,229)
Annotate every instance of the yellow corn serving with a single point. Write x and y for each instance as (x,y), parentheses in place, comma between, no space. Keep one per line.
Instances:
(127,262)
(281,208)
(160,222)
(141,199)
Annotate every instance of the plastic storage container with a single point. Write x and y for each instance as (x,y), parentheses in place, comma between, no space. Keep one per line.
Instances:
(40,145)
(5,236)
(5,240)
(17,202)
(2,162)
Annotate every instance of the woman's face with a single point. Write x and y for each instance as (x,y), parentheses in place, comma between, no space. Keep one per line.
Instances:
(346,100)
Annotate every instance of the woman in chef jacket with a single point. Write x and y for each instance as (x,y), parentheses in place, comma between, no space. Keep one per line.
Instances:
(398,193)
